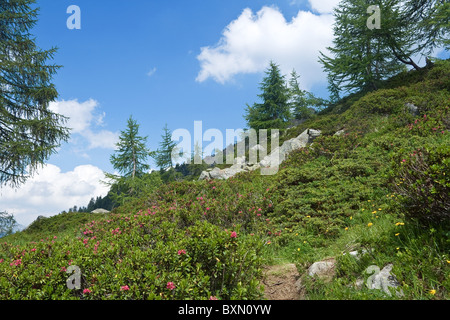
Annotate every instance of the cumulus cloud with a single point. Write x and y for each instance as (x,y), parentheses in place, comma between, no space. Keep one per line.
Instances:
(51,191)
(323,6)
(85,122)
(252,40)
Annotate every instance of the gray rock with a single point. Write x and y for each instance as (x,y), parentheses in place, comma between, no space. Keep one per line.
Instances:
(239,160)
(205,175)
(103,211)
(313,134)
(323,269)
(340,133)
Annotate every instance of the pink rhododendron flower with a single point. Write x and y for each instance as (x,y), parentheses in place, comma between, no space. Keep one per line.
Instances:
(86,291)
(180,252)
(170,285)
(234,234)
(124,288)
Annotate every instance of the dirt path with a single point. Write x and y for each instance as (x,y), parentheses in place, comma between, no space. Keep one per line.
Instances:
(280,283)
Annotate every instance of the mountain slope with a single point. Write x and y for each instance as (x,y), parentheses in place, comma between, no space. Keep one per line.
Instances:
(211,239)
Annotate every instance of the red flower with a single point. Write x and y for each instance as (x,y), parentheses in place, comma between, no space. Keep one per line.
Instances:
(180,252)
(234,234)
(170,285)
(124,288)
(86,291)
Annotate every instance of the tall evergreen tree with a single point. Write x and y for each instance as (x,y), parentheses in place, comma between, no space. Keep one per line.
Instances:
(29,131)
(361,57)
(274,110)
(132,153)
(164,155)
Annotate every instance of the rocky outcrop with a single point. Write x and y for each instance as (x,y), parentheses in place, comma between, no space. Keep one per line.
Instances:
(275,158)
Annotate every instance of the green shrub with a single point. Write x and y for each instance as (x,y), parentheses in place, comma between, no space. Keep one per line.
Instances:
(423,183)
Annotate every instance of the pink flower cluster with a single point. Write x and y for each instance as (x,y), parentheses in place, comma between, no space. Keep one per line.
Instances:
(116,231)
(16,263)
(171,286)
(180,252)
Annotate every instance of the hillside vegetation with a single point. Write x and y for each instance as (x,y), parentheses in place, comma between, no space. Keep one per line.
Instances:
(382,186)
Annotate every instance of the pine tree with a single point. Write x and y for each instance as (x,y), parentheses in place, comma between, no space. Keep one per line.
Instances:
(273,112)
(164,156)
(132,153)
(29,131)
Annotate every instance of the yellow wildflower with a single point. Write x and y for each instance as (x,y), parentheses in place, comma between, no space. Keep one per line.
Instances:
(370,224)
(433,292)
(397,234)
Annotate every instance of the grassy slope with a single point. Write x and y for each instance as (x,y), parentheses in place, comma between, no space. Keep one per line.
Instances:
(340,195)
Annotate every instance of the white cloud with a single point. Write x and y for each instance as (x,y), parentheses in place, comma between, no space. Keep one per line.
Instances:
(323,6)
(51,191)
(84,121)
(252,40)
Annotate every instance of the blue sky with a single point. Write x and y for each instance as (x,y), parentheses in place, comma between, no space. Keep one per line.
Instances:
(171,62)
(121,42)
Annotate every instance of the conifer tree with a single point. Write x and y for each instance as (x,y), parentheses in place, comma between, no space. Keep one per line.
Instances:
(429,21)
(362,57)
(165,154)
(132,153)
(303,104)
(274,111)
(29,131)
